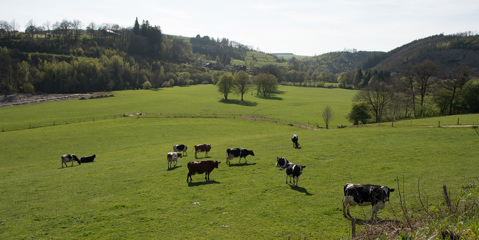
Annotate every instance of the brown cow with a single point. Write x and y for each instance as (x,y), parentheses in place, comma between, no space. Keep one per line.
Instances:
(173,157)
(202,148)
(201,167)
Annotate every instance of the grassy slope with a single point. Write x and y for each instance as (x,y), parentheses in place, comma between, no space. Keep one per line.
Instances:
(302,105)
(128,193)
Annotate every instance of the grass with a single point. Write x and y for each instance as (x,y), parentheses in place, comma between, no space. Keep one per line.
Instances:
(129,193)
(302,106)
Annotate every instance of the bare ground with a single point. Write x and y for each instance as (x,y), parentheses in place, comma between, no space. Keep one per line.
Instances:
(23,99)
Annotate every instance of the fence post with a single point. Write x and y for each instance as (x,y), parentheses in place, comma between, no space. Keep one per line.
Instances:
(457,121)
(446,196)
(439,124)
(353,227)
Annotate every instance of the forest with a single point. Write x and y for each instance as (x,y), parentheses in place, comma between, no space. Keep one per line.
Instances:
(427,77)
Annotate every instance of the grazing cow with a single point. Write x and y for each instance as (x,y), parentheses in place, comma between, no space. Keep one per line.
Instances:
(293,171)
(202,148)
(180,148)
(282,162)
(362,195)
(69,158)
(88,159)
(237,152)
(294,139)
(173,157)
(200,167)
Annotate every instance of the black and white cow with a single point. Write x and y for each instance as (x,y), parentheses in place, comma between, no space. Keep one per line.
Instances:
(282,162)
(363,195)
(294,139)
(237,152)
(69,158)
(180,148)
(293,171)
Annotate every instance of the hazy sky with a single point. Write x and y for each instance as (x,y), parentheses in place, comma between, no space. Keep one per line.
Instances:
(303,27)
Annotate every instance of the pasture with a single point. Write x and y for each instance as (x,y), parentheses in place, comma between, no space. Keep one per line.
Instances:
(129,193)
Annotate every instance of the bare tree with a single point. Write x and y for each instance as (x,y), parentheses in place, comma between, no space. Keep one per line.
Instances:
(377,96)
(14,26)
(327,115)
(76,25)
(424,73)
(46,26)
(455,80)
(5,26)
(406,83)
(30,28)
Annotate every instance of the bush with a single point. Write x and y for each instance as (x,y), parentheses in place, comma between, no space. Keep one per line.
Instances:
(147,85)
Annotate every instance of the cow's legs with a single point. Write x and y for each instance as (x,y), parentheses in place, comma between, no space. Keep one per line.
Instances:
(346,208)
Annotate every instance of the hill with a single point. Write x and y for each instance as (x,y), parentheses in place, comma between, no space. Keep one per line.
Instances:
(447,50)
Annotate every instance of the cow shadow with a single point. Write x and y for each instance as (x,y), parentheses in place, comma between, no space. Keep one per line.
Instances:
(239,102)
(301,190)
(241,164)
(173,168)
(194,184)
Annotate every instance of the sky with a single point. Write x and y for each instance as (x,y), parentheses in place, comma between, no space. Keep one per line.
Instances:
(302,27)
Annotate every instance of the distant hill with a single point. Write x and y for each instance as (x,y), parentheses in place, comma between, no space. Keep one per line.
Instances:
(447,50)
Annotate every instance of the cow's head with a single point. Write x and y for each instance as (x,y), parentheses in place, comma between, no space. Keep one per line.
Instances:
(381,194)
(251,152)
(216,164)
(180,155)
(75,158)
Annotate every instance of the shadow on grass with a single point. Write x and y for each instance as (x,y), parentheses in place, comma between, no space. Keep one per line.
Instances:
(194,184)
(241,164)
(374,222)
(239,102)
(270,98)
(173,168)
(301,189)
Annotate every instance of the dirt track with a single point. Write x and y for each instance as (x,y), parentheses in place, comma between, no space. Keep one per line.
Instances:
(23,99)
(258,118)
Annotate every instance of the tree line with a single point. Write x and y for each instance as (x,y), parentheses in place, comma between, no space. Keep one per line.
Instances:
(417,91)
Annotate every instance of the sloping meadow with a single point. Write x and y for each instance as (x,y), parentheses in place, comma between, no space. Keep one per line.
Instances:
(128,192)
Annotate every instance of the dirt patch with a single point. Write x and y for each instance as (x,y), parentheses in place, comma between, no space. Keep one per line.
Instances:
(23,99)
(258,118)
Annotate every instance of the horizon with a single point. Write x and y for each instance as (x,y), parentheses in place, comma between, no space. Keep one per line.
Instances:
(304,28)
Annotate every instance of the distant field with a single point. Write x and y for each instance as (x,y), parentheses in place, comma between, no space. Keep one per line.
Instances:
(128,192)
(292,104)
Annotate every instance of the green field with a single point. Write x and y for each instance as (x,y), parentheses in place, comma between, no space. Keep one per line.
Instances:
(128,193)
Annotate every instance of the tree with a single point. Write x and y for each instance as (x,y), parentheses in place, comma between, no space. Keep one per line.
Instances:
(225,84)
(407,84)
(423,76)
(456,78)
(377,96)
(359,113)
(136,27)
(242,83)
(266,84)
(469,96)
(327,115)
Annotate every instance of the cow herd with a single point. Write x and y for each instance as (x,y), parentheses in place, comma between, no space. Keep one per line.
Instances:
(354,194)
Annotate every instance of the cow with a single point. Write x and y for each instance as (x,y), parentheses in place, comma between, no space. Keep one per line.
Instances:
(200,167)
(173,157)
(294,139)
(363,195)
(293,171)
(237,152)
(180,148)
(69,158)
(202,148)
(282,162)
(88,159)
